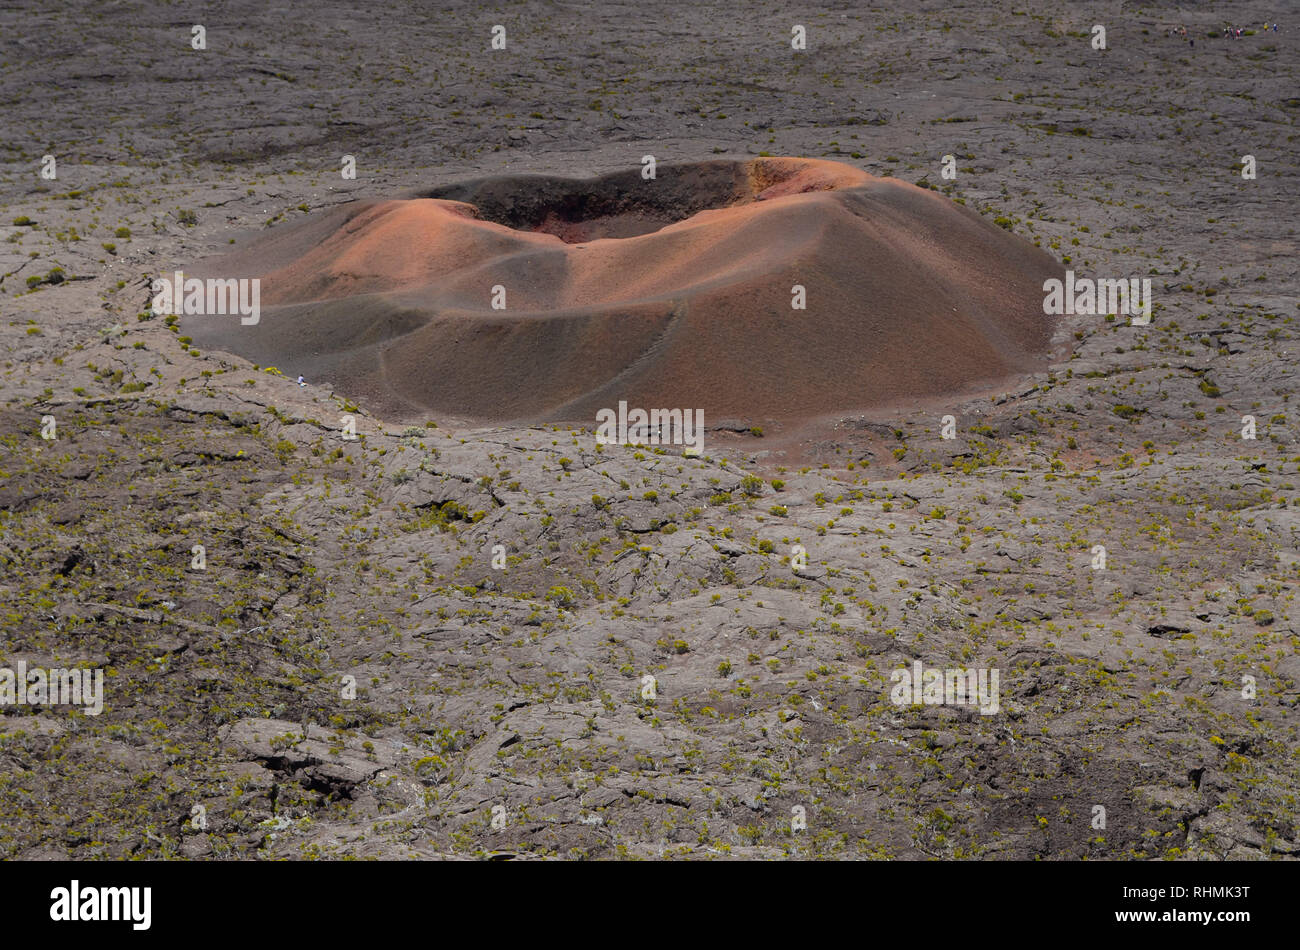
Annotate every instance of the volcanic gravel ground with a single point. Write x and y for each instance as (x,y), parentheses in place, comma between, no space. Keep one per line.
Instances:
(350,675)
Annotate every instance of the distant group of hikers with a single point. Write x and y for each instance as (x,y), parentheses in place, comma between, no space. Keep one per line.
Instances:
(1229,32)
(1237,32)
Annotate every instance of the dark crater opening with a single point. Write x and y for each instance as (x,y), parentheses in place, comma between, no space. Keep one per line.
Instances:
(618,205)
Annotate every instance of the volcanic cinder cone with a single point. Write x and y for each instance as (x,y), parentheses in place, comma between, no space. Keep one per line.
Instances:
(672,292)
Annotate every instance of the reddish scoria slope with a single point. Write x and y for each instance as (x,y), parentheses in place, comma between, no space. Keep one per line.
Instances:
(688,305)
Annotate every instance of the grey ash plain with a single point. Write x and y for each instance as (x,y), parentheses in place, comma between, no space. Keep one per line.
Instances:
(521,688)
